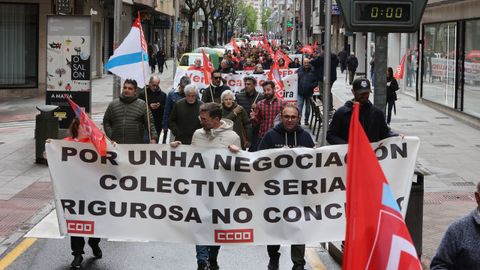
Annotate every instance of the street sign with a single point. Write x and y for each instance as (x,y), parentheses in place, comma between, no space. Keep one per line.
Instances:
(389,16)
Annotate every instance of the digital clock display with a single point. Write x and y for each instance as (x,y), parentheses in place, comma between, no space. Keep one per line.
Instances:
(382,12)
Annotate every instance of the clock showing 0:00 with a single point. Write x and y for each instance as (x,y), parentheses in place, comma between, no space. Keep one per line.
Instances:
(382,12)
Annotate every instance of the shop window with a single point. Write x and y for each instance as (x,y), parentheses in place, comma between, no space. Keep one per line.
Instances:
(471,98)
(18,45)
(439,58)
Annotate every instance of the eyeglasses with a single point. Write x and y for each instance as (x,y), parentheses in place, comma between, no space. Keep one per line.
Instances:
(290,117)
(217,78)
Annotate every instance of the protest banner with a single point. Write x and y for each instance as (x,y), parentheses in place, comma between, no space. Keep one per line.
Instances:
(198,195)
(236,84)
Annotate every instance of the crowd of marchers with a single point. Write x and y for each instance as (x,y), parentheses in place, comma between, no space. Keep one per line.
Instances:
(252,121)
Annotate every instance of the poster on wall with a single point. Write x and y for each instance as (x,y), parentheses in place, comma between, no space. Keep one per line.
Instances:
(68,64)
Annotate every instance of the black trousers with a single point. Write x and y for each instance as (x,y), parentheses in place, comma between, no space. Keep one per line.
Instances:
(390,105)
(297,253)
(78,243)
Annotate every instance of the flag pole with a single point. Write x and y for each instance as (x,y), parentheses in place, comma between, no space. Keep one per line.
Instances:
(144,85)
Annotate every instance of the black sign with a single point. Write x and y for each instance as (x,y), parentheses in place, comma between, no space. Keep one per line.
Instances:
(80,68)
(65,113)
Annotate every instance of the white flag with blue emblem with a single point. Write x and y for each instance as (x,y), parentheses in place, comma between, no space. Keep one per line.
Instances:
(130,59)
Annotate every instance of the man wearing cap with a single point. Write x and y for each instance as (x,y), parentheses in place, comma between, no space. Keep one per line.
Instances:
(371,118)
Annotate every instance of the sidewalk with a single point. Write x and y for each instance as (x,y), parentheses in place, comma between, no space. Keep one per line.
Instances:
(449,153)
(448,156)
(25,189)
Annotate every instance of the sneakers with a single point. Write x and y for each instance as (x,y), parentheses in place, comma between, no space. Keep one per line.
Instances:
(202,266)
(97,252)
(77,262)
(213,265)
(273,264)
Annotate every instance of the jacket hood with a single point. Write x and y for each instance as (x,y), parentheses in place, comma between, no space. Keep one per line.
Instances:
(225,125)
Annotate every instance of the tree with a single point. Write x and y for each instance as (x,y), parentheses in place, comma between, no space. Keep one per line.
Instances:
(233,15)
(193,7)
(267,12)
(206,6)
(250,18)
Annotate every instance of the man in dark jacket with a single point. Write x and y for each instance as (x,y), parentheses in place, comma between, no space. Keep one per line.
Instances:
(125,119)
(156,100)
(342,59)
(184,118)
(249,96)
(226,67)
(352,65)
(371,118)
(289,134)
(307,81)
(317,63)
(460,245)
(213,92)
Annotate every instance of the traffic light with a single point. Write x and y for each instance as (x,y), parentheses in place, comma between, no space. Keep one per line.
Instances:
(289,24)
(289,29)
(399,16)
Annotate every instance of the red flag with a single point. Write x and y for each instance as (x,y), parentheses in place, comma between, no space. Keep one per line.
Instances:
(274,75)
(400,69)
(94,133)
(307,49)
(234,45)
(280,55)
(207,68)
(376,237)
(315,46)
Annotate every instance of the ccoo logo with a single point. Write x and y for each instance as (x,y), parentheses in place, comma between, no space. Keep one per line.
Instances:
(234,236)
(80,226)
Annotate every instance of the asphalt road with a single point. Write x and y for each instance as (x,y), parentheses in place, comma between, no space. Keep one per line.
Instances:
(53,254)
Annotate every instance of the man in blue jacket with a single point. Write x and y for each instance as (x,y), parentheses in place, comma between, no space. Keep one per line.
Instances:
(460,245)
(307,81)
(287,134)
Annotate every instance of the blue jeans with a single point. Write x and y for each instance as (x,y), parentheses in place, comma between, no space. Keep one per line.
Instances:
(301,100)
(205,253)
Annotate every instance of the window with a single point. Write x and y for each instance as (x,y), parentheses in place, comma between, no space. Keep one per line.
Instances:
(439,58)
(18,45)
(471,99)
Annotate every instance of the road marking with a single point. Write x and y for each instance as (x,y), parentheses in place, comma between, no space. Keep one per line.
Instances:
(16,252)
(313,259)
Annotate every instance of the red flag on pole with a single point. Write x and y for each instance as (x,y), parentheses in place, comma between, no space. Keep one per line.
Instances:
(234,45)
(376,237)
(400,69)
(307,49)
(94,133)
(274,75)
(207,68)
(280,55)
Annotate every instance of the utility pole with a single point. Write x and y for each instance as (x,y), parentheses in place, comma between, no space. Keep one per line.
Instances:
(304,32)
(175,40)
(326,71)
(285,38)
(294,22)
(117,14)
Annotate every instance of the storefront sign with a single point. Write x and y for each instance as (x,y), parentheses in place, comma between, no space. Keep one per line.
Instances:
(68,64)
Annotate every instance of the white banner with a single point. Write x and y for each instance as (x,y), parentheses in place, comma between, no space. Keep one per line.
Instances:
(235,81)
(197,195)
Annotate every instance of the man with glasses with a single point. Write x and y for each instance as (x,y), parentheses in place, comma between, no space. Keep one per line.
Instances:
(287,134)
(213,92)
